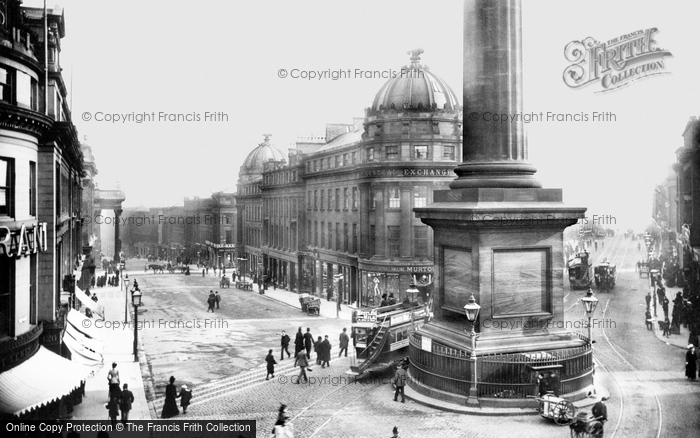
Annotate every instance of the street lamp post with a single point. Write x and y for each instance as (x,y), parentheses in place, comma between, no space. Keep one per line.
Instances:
(590,302)
(136,300)
(126,297)
(412,293)
(471,309)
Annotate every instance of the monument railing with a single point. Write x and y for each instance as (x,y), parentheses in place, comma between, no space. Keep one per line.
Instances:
(510,375)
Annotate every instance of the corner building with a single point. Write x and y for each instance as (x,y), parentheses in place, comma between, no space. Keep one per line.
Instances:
(337,216)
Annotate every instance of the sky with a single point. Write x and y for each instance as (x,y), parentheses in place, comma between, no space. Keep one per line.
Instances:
(131,58)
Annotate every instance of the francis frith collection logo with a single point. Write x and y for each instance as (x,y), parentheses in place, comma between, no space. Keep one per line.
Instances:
(615,63)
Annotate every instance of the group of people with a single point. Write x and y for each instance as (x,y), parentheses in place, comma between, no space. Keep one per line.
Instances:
(106,280)
(213,300)
(303,343)
(170,407)
(120,399)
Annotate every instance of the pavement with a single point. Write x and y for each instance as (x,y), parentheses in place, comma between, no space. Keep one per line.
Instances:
(118,348)
(676,340)
(328,308)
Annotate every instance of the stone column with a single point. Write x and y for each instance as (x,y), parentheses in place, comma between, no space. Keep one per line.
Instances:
(379,225)
(494,154)
(117,240)
(365,205)
(406,221)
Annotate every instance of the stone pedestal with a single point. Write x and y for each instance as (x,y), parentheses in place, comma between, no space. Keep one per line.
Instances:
(504,246)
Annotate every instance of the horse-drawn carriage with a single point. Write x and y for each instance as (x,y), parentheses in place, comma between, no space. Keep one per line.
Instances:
(604,275)
(157,268)
(310,304)
(225,282)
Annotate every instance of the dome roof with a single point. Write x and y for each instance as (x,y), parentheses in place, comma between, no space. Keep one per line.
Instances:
(253,164)
(415,87)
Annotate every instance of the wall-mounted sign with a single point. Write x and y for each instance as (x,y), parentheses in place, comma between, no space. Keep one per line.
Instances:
(409,172)
(370,316)
(24,241)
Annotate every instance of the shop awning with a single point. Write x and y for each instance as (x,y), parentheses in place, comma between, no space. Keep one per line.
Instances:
(38,381)
(95,345)
(97,309)
(79,351)
(82,324)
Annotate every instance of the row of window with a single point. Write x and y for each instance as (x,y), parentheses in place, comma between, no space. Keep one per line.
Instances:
(282,237)
(334,162)
(334,200)
(280,207)
(18,88)
(252,213)
(344,240)
(7,294)
(418,152)
(7,187)
(280,178)
(252,189)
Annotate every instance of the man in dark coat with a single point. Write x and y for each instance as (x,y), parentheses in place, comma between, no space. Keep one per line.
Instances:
(126,400)
(308,342)
(325,352)
(600,411)
(298,342)
(344,340)
(217,299)
(285,345)
(211,301)
(648,299)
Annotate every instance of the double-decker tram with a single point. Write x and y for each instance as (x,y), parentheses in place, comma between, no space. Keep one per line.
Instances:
(380,335)
(579,271)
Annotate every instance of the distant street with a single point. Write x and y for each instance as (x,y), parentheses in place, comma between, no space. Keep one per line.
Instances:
(650,394)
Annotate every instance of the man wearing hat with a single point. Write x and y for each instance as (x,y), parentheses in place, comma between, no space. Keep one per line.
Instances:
(691,363)
(600,411)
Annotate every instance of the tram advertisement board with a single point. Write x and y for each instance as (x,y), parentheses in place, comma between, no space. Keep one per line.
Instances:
(361,316)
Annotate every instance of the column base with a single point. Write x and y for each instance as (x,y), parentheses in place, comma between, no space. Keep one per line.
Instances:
(495,174)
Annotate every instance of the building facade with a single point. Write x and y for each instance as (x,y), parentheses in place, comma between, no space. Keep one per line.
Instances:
(41,171)
(335,216)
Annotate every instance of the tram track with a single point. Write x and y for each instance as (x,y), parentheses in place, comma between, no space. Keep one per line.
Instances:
(618,257)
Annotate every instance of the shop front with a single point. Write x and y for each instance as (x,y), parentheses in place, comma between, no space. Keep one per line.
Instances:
(378,278)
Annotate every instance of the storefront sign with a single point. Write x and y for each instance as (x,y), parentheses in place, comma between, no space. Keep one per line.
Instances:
(24,241)
(426,344)
(405,268)
(408,172)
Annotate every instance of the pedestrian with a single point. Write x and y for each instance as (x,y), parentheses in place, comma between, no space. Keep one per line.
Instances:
(217,298)
(648,299)
(233,277)
(317,350)
(648,320)
(211,301)
(298,342)
(664,306)
(395,432)
(126,399)
(113,410)
(554,383)
(185,396)
(600,411)
(202,272)
(392,299)
(303,363)
(113,381)
(270,359)
(282,418)
(308,341)
(399,382)
(326,352)
(691,366)
(667,327)
(283,428)
(344,340)
(170,407)
(285,345)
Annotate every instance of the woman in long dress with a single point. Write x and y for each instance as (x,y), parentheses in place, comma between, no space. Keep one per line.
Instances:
(691,363)
(170,407)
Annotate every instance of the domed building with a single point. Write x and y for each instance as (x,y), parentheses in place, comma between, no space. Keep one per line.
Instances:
(249,205)
(337,215)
